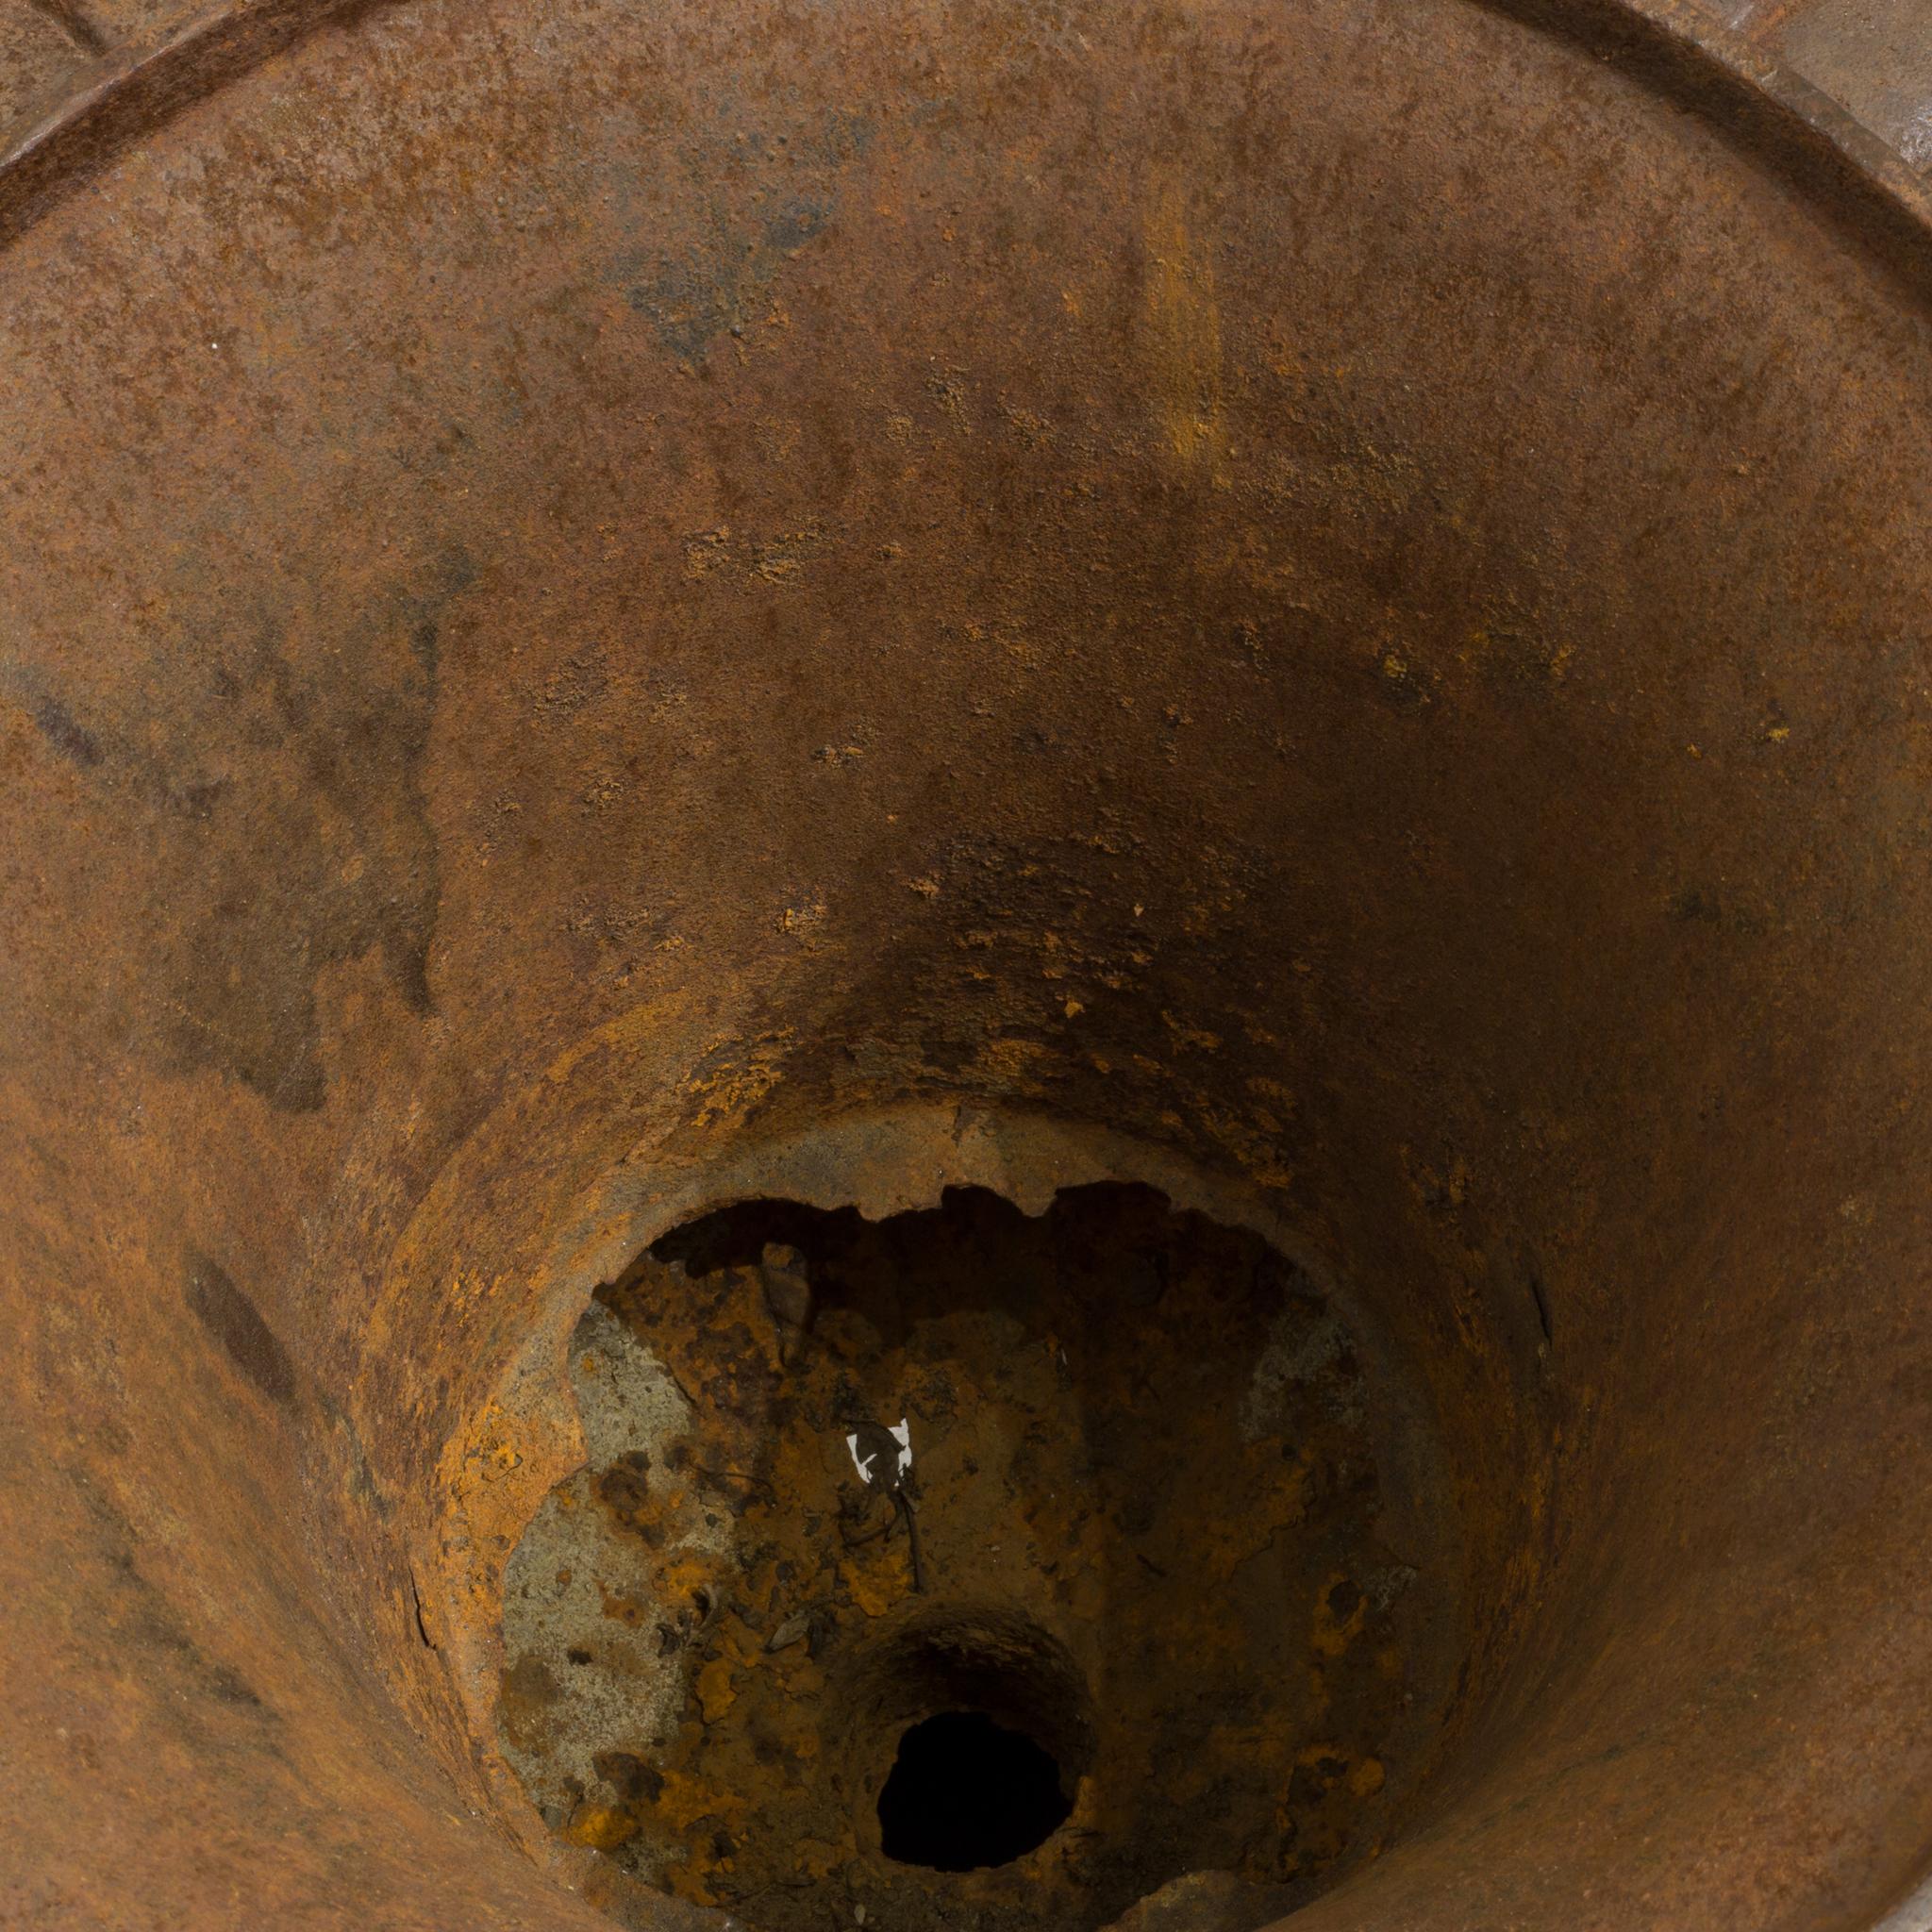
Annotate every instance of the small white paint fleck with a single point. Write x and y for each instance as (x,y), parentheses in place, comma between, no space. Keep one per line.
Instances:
(902,1435)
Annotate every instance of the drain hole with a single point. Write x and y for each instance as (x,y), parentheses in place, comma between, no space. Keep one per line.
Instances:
(966,1792)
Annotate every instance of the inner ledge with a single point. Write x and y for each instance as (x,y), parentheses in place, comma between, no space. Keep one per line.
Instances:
(1187,1594)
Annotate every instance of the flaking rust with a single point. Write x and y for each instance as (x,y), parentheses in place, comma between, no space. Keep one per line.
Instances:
(1143,1437)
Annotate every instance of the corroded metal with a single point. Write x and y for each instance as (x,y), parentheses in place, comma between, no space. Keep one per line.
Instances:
(592,596)
(1174,1520)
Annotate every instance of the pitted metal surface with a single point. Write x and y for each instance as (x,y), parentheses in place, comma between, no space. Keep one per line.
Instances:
(595,600)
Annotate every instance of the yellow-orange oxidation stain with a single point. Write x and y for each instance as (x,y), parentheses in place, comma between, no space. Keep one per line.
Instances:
(1183,335)
(602,1827)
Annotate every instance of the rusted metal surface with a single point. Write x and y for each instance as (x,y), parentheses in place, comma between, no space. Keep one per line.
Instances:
(1162,1488)
(588,594)
(78,78)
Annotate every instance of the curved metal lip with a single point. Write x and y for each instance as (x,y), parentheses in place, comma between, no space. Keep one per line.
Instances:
(135,91)
(1764,108)
(1914,1915)
(1768,110)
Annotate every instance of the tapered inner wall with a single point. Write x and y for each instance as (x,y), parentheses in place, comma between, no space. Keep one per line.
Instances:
(1333,592)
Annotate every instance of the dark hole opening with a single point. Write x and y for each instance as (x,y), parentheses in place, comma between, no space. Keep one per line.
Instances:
(966,1791)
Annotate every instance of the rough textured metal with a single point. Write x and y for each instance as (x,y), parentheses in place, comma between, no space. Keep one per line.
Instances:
(1179,1523)
(1337,589)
